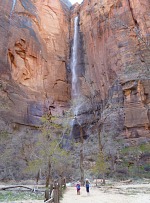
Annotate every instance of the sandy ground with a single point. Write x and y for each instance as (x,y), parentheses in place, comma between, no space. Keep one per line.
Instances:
(109,195)
(116,193)
(30,201)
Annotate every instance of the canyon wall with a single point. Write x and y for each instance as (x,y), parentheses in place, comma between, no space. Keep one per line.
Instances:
(117,59)
(33,55)
(34,52)
(114,61)
(114,56)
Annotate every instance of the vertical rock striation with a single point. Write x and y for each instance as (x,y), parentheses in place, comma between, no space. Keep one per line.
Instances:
(33,56)
(117,58)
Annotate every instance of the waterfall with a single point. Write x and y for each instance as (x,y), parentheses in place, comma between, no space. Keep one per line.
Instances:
(74,67)
(13,7)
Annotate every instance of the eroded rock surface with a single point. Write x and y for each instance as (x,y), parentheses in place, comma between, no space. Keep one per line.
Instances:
(116,44)
(34,53)
(114,61)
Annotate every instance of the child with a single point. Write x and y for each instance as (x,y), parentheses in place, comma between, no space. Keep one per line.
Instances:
(78,188)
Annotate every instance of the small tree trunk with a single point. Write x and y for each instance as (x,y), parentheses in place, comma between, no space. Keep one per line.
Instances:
(64,182)
(104,182)
(56,193)
(81,166)
(47,194)
(81,157)
(48,177)
(37,178)
(101,154)
(60,186)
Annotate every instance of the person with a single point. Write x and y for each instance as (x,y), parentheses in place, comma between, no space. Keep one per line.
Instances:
(78,188)
(87,185)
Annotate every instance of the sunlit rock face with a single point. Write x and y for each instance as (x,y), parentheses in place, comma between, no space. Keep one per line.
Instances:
(117,58)
(33,55)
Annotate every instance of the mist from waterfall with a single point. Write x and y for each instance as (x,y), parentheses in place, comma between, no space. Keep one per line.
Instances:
(74,68)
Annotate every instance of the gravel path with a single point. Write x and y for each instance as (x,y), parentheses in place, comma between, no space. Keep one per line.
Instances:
(98,196)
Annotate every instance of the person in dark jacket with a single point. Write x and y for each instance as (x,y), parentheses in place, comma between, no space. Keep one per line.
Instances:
(87,185)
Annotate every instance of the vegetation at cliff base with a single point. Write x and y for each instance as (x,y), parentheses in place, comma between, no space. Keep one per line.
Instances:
(6,196)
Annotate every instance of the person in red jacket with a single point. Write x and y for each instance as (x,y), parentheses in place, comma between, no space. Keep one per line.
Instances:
(78,188)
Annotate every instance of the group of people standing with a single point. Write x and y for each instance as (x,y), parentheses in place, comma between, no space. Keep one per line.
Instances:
(87,186)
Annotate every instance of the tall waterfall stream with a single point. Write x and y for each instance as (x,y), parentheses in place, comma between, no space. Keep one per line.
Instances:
(13,7)
(74,68)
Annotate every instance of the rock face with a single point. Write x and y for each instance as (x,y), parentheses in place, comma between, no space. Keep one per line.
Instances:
(33,55)
(116,43)
(114,61)
(116,73)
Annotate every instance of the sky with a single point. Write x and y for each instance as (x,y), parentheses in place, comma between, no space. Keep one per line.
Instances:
(74,1)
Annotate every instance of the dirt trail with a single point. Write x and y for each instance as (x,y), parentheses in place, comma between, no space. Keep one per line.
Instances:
(103,196)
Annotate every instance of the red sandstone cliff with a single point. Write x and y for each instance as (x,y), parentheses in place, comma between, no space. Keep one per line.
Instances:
(116,43)
(33,55)
(114,56)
